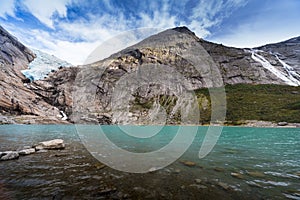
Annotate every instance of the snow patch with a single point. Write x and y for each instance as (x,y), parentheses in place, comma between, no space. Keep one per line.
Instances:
(293,75)
(63,116)
(290,80)
(42,65)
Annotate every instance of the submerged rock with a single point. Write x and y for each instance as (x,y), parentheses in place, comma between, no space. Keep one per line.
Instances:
(219,169)
(256,174)
(225,186)
(9,155)
(197,180)
(237,175)
(198,186)
(51,144)
(27,151)
(253,184)
(188,163)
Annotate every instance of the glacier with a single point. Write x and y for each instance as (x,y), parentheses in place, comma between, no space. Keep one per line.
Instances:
(42,65)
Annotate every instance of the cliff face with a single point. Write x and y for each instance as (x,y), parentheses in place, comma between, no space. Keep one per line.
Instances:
(15,96)
(102,95)
(144,83)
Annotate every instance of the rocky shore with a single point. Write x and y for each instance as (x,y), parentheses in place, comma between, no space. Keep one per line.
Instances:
(56,144)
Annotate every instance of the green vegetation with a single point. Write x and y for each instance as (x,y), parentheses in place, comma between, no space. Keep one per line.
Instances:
(274,103)
(259,102)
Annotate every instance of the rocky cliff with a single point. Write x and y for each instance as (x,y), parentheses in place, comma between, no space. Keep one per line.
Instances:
(16,97)
(154,80)
(102,95)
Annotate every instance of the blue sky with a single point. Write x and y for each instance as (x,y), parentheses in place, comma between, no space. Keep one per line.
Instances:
(71,29)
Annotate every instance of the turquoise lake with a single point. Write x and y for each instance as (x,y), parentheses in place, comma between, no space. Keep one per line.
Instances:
(245,163)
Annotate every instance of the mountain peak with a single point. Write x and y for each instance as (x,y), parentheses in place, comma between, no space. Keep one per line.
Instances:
(183,29)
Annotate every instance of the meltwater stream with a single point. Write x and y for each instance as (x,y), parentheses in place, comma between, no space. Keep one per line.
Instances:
(246,163)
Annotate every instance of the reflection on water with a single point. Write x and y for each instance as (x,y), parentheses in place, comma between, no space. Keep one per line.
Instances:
(246,163)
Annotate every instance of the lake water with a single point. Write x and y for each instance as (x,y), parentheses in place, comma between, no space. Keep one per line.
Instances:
(266,162)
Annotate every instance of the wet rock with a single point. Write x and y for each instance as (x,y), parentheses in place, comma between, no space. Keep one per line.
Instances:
(51,144)
(177,171)
(253,184)
(294,192)
(27,147)
(225,186)
(9,155)
(27,151)
(106,191)
(197,180)
(153,169)
(237,175)
(198,186)
(188,163)
(42,151)
(256,174)
(297,174)
(100,166)
(219,169)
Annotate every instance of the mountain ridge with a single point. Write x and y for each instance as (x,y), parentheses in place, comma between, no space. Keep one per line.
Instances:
(171,48)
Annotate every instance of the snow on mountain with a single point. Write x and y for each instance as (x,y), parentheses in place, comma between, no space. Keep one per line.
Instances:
(290,77)
(42,65)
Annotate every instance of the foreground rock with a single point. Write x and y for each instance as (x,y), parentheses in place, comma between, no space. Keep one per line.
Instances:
(55,144)
(50,145)
(27,151)
(9,155)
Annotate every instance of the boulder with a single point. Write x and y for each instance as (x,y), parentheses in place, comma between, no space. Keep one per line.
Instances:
(9,155)
(27,151)
(282,124)
(49,145)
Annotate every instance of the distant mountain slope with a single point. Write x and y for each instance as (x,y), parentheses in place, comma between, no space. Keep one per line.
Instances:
(42,65)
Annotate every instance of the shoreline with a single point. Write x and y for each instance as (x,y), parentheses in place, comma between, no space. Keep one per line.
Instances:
(38,120)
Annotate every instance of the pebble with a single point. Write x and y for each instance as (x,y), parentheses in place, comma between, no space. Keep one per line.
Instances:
(236,175)
(256,174)
(225,186)
(219,169)
(99,166)
(197,180)
(153,169)
(253,184)
(177,171)
(188,163)
(198,186)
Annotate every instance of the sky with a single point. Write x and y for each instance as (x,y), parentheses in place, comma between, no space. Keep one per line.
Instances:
(72,29)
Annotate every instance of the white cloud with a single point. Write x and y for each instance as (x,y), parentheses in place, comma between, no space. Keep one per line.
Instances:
(263,27)
(44,10)
(7,8)
(74,40)
(255,35)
